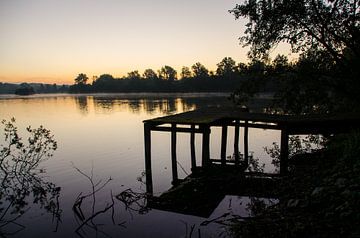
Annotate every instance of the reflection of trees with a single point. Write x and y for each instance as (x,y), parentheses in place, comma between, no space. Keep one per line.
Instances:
(137,105)
(82,104)
(146,103)
(104,104)
(19,176)
(134,105)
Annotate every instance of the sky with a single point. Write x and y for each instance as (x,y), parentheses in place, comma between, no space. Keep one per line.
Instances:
(52,41)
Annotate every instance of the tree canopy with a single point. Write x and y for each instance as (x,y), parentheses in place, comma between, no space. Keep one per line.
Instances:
(150,74)
(226,67)
(199,70)
(168,73)
(330,25)
(81,79)
(326,33)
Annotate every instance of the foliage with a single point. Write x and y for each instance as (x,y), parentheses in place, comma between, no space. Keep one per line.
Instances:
(81,79)
(185,72)
(329,25)
(200,71)
(167,73)
(325,33)
(320,198)
(297,145)
(134,75)
(150,74)
(19,173)
(226,67)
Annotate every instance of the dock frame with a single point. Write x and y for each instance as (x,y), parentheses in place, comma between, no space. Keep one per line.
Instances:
(202,120)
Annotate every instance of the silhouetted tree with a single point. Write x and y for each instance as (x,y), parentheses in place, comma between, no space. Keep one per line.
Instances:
(327,25)
(226,68)
(81,79)
(200,71)
(105,78)
(167,73)
(326,33)
(150,74)
(134,75)
(280,64)
(185,73)
(256,67)
(105,83)
(242,68)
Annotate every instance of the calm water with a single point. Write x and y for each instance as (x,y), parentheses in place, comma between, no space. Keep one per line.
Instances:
(103,135)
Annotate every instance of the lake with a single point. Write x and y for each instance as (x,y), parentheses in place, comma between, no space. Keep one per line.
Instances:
(101,136)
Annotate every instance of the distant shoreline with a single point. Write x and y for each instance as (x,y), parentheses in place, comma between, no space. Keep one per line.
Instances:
(134,95)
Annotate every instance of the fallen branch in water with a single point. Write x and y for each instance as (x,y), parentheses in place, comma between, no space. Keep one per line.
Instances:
(77,206)
(130,198)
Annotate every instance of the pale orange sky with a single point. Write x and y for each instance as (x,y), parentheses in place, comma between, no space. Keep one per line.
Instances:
(52,41)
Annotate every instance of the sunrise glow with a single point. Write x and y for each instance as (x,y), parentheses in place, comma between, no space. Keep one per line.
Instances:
(52,41)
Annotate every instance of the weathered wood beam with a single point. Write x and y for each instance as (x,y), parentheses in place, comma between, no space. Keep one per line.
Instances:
(178,129)
(250,125)
(236,143)
(246,144)
(206,146)
(223,144)
(189,130)
(192,147)
(173,154)
(148,172)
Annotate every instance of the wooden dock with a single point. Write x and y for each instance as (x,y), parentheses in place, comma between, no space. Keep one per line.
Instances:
(200,122)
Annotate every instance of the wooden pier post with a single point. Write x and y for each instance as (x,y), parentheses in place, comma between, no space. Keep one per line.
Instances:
(173,154)
(223,145)
(236,143)
(284,151)
(246,144)
(148,172)
(192,148)
(206,146)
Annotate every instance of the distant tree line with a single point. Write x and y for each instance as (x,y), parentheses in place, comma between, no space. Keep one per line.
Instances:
(31,88)
(197,78)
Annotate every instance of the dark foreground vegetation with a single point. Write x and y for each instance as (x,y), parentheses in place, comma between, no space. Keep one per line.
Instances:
(325,34)
(320,196)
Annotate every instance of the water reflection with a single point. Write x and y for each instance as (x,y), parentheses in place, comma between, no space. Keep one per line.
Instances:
(21,180)
(108,104)
(107,130)
(82,104)
(85,218)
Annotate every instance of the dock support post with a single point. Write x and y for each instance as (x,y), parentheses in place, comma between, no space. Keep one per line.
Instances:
(223,145)
(236,143)
(148,172)
(206,146)
(173,154)
(284,151)
(246,144)
(192,148)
